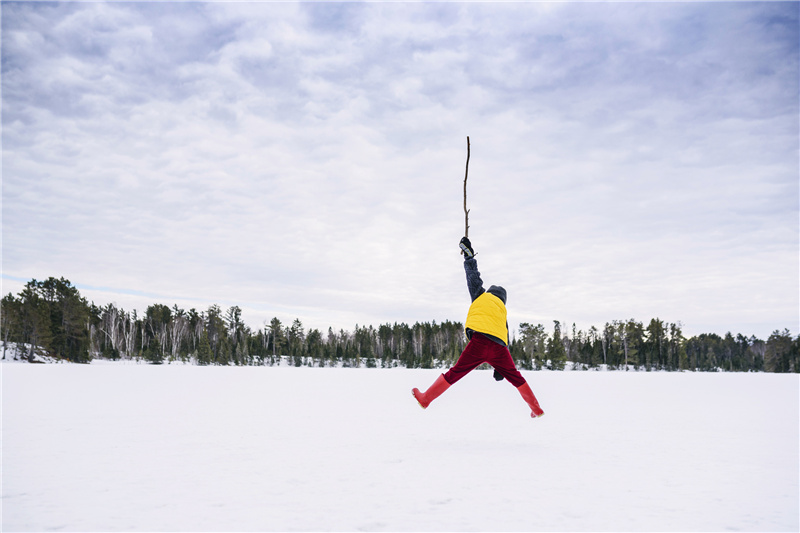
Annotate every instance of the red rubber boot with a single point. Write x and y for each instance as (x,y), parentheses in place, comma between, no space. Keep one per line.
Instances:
(435,390)
(530,399)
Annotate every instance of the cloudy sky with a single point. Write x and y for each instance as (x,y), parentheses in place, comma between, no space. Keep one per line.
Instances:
(306,160)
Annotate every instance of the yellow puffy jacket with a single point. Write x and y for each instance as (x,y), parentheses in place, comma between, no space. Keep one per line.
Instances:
(488,315)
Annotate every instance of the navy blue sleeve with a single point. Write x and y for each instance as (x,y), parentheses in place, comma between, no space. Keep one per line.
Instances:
(474,281)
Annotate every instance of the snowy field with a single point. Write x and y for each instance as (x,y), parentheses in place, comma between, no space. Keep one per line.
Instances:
(118,447)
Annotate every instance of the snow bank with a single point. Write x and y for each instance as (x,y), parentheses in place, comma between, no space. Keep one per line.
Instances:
(14,352)
(142,448)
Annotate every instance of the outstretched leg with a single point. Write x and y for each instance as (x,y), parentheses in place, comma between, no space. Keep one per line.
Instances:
(472,356)
(433,392)
(502,361)
(530,399)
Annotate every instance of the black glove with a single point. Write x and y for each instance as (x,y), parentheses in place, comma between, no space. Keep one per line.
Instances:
(466,248)
(498,376)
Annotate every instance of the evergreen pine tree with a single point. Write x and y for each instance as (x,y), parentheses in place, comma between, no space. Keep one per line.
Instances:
(778,356)
(154,352)
(555,349)
(204,354)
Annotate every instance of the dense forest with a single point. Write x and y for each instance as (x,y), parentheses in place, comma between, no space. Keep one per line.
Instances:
(53,317)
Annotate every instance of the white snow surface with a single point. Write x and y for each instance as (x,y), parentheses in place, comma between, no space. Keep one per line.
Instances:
(116,447)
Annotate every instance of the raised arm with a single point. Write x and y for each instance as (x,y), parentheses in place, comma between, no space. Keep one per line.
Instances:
(474,281)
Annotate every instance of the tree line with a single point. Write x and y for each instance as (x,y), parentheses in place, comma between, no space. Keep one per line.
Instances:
(52,316)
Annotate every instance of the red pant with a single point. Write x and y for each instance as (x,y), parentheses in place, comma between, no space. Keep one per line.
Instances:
(482,350)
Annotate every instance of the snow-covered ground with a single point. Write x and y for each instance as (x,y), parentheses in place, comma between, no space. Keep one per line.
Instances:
(119,447)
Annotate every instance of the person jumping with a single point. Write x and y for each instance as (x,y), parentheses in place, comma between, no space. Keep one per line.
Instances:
(487,331)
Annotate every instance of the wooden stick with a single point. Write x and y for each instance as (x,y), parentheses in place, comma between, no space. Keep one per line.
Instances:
(466,211)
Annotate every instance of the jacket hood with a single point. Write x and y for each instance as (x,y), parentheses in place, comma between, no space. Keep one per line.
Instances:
(498,291)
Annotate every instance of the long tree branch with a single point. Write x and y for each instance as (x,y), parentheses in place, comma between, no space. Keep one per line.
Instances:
(466,211)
